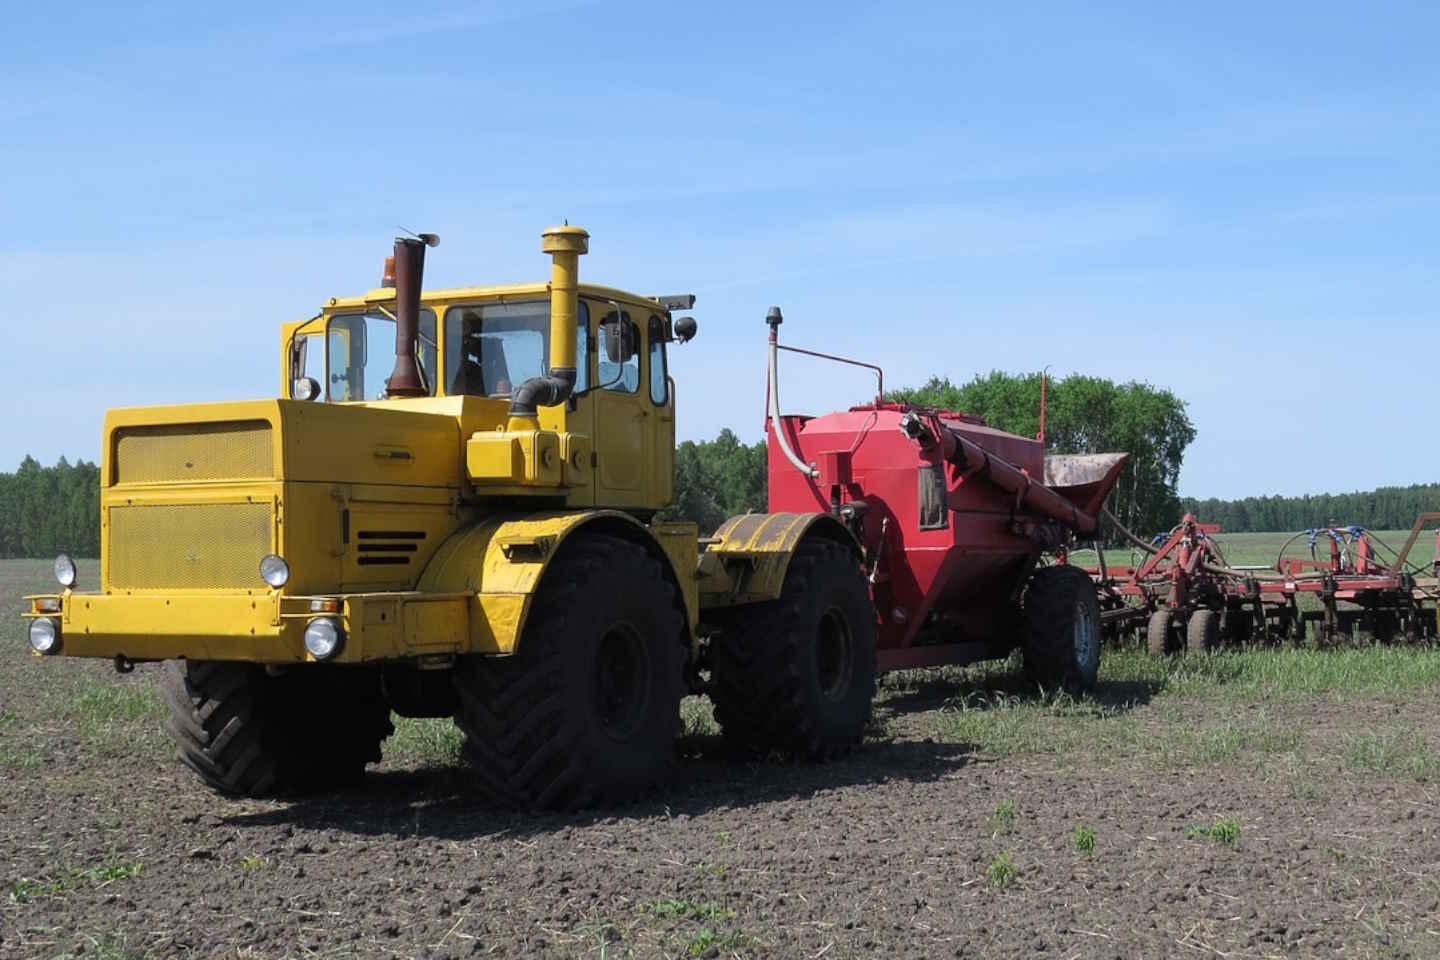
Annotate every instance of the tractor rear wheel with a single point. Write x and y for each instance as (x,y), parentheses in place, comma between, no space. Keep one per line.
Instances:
(1158,634)
(587,709)
(797,674)
(1060,637)
(1202,633)
(245,731)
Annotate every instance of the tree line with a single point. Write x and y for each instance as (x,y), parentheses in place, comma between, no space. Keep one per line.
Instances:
(46,510)
(1386,508)
(1086,415)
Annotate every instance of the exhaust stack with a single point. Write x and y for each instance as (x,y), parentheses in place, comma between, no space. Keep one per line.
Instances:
(405,379)
(565,244)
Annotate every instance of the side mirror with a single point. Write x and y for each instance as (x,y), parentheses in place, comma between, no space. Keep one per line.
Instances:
(619,339)
(305,388)
(685,329)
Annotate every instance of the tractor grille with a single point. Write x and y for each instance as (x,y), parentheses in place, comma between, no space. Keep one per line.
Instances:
(178,453)
(188,545)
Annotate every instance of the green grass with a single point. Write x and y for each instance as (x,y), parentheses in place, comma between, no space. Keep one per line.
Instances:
(1225,831)
(1001,873)
(993,709)
(25,889)
(709,938)
(1003,819)
(707,912)
(108,947)
(22,758)
(1405,753)
(100,705)
(697,717)
(110,712)
(427,742)
(1084,839)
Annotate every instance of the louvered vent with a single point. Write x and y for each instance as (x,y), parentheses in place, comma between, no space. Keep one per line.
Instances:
(392,548)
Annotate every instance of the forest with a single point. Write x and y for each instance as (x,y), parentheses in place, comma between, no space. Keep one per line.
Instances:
(47,510)
(44,510)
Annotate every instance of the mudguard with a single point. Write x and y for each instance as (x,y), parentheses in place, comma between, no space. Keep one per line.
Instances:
(748,557)
(501,561)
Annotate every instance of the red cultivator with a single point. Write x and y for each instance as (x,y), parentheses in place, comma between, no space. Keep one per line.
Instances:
(1185,594)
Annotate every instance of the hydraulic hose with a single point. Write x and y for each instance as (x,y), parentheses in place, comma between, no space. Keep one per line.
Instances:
(774,319)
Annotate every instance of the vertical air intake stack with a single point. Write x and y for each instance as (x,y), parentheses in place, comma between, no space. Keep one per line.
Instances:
(405,380)
(565,244)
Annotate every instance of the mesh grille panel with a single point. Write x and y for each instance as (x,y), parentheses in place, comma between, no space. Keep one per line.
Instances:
(188,545)
(175,453)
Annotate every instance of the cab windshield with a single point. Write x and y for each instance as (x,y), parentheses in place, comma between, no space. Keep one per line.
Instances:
(492,348)
(360,354)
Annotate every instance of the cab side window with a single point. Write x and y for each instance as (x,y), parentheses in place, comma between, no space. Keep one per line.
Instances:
(619,367)
(659,376)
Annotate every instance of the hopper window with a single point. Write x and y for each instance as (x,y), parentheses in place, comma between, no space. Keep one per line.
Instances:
(933,512)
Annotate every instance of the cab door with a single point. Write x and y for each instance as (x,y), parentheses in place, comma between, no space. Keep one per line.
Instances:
(622,413)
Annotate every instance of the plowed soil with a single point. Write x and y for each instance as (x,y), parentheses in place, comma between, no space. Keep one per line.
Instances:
(1224,822)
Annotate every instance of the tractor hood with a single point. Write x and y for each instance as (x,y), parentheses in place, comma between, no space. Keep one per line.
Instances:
(286,440)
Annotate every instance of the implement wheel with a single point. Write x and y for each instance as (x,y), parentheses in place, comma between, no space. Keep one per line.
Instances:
(587,709)
(1159,637)
(797,674)
(1061,633)
(244,731)
(1238,625)
(1202,633)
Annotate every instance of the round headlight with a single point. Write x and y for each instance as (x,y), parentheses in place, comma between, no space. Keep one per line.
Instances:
(65,570)
(45,635)
(274,570)
(322,638)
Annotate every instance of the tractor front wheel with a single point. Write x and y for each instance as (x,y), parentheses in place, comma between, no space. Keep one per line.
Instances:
(246,731)
(1061,633)
(587,709)
(797,674)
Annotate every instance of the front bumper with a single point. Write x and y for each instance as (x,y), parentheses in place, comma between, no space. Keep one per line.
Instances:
(260,628)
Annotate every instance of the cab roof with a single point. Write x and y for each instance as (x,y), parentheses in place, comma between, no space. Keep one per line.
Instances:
(500,292)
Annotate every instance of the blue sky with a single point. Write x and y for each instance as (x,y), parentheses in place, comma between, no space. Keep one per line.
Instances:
(1235,201)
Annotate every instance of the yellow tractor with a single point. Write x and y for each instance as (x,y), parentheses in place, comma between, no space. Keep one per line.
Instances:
(451,511)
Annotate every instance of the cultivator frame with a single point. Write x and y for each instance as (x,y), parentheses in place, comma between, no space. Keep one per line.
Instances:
(1184,593)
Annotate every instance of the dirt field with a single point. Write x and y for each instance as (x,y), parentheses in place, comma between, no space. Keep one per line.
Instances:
(1264,804)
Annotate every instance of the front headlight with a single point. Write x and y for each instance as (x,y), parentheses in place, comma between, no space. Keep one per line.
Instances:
(65,570)
(45,635)
(323,637)
(274,570)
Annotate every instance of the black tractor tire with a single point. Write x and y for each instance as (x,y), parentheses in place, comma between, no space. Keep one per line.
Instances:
(1159,639)
(587,709)
(796,675)
(1060,633)
(1202,633)
(247,732)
